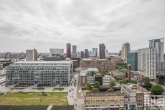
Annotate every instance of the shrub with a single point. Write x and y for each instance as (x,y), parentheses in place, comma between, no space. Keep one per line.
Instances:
(133,81)
(123,81)
(110,90)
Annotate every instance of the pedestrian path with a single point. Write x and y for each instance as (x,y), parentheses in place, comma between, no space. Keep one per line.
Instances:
(49,107)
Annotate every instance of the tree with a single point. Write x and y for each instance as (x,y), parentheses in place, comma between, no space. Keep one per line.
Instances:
(157,89)
(89,84)
(110,90)
(97,84)
(117,77)
(133,81)
(123,81)
(112,83)
(95,90)
(147,80)
(126,74)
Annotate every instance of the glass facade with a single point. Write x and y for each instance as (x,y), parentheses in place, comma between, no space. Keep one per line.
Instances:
(29,73)
(132,58)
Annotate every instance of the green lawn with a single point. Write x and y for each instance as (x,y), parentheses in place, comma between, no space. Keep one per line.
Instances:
(52,98)
(87,90)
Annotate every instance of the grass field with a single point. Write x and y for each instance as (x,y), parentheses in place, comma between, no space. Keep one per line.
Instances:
(52,98)
(87,90)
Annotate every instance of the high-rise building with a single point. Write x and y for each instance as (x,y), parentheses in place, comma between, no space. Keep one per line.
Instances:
(82,54)
(102,51)
(68,50)
(35,54)
(31,55)
(94,52)
(106,53)
(158,44)
(132,58)
(90,52)
(74,50)
(125,50)
(147,62)
(56,52)
(78,54)
(86,53)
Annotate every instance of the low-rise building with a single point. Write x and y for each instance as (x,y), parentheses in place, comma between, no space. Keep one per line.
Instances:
(106,80)
(98,77)
(118,73)
(90,75)
(114,61)
(87,75)
(135,96)
(104,101)
(102,64)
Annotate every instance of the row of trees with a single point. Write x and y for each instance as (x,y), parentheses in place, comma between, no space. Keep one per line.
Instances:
(97,86)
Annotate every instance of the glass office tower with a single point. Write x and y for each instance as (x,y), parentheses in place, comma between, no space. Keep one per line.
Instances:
(132,58)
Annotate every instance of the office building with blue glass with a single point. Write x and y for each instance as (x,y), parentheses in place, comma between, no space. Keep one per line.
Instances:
(132,58)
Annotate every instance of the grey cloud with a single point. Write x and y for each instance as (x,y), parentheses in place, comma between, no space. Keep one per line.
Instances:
(44,24)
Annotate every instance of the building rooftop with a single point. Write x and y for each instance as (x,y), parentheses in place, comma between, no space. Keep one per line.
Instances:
(42,62)
(117,72)
(133,51)
(92,69)
(95,94)
(133,88)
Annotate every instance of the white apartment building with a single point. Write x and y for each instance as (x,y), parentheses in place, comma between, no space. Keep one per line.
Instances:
(40,72)
(56,51)
(147,62)
(90,75)
(106,80)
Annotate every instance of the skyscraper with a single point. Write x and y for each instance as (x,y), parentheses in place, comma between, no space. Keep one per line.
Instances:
(158,44)
(94,52)
(56,52)
(125,50)
(86,53)
(82,54)
(68,50)
(74,50)
(132,58)
(147,62)
(106,53)
(102,51)
(31,55)
(35,54)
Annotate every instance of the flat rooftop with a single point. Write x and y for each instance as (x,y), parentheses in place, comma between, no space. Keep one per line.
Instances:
(42,62)
(92,69)
(97,94)
(133,88)
(117,72)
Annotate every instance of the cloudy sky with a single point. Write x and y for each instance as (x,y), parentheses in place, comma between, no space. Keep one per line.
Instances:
(44,24)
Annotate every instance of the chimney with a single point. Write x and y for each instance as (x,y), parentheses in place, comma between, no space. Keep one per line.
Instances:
(129,72)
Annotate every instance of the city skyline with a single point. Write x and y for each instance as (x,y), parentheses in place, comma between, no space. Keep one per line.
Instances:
(52,24)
